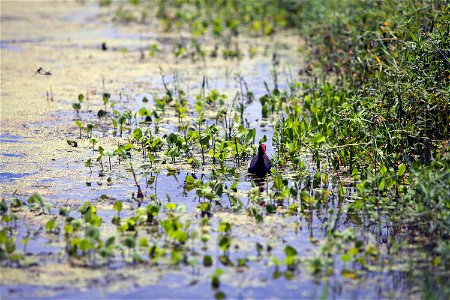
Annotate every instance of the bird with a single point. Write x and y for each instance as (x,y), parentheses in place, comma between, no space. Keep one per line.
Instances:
(41,71)
(260,164)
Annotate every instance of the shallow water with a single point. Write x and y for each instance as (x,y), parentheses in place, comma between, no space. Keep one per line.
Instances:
(5,177)
(46,164)
(8,138)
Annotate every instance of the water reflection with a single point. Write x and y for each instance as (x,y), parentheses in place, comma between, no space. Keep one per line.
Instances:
(260,182)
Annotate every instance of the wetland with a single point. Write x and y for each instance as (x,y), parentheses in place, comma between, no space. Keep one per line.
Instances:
(127,129)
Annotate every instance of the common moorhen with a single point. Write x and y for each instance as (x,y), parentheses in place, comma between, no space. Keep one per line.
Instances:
(260,164)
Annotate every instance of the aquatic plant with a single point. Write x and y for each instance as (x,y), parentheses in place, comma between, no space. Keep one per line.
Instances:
(80,125)
(77,105)
(37,202)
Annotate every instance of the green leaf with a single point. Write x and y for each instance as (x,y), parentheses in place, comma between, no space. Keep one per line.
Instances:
(118,206)
(218,272)
(68,229)
(143,242)
(50,225)
(79,123)
(274,261)
(153,209)
(84,245)
(36,198)
(224,242)
(189,179)
(180,235)
(207,261)
(110,241)
(171,206)
(270,208)
(10,245)
(88,162)
(349,274)
(225,227)
(76,106)
(101,113)
(401,169)
(318,138)
(383,169)
(92,232)
(64,211)
(263,140)
(137,134)
(130,242)
(89,127)
(382,184)
(290,251)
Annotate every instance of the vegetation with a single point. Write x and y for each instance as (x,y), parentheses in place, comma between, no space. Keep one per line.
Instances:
(360,145)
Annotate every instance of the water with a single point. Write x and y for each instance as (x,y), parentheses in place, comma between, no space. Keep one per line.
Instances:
(12,155)
(10,45)
(259,279)
(9,138)
(8,177)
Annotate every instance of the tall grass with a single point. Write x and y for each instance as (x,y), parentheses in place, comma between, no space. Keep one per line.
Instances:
(394,57)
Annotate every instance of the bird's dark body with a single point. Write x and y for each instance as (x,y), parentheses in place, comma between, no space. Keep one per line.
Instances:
(260,164)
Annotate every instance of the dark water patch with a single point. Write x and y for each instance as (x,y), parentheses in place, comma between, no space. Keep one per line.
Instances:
(12,18)
(39,243)
(95,189)
(9,46)
(183,290)
(6,176)
(273,283)
(12,155)
(27,41)
(46,292)
(9,138)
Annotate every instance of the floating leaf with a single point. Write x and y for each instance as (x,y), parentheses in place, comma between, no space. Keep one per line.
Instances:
(349,274)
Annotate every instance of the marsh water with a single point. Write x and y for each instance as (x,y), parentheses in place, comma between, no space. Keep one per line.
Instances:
(65,38)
